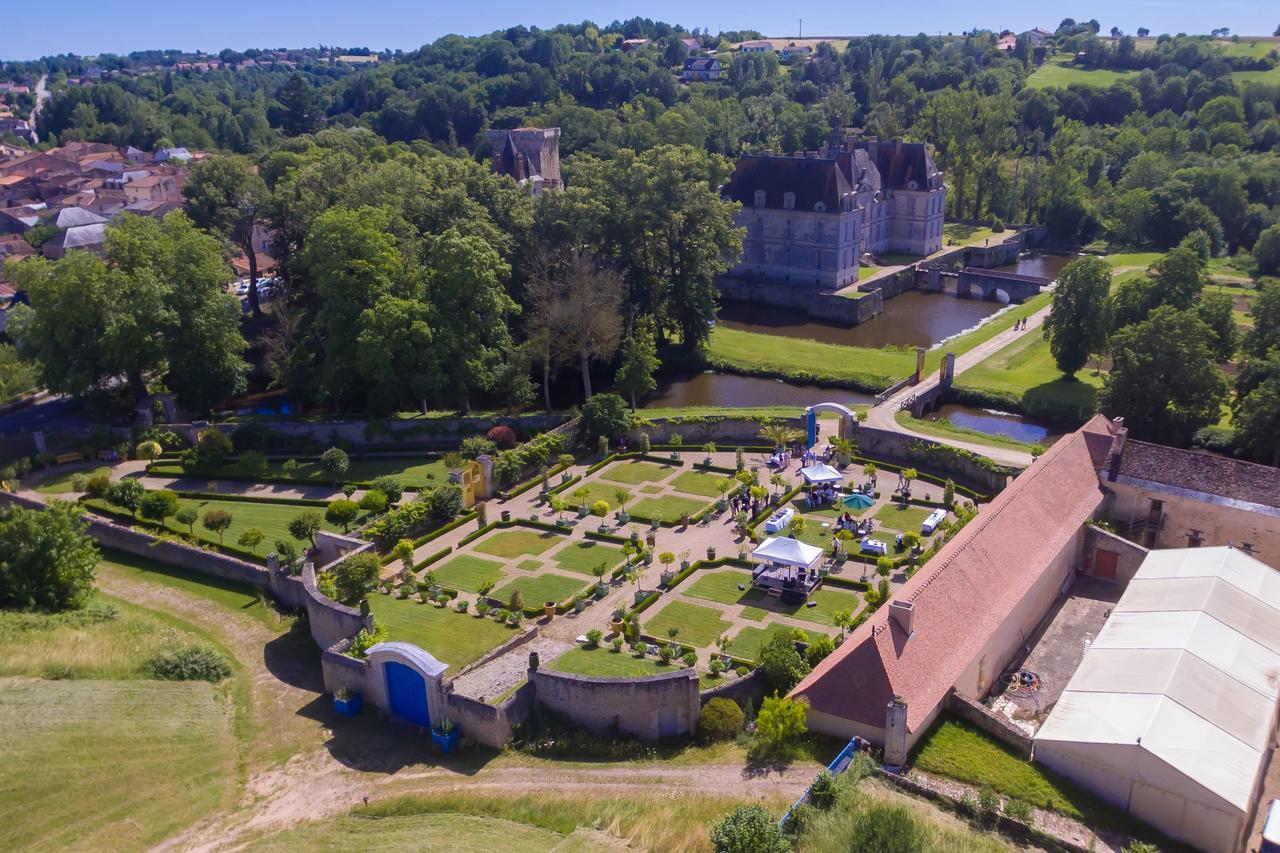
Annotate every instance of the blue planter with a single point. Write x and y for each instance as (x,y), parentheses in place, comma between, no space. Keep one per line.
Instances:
(348,707)
(447,742)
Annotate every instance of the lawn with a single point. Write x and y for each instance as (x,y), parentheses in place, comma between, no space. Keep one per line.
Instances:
(271,518)
(241,598)
(456,639)
(583,557)
(606,663)
(429,833)
(536,590)
(466,573)
(412,472)
(529,565)
(635,472)
(944,428)
(722,587)
(669,508)
(596,491)
(737,351)
(961,234)
(1026,370)
(746,643)
(902,518)
(515,543)
(994,325)
(1059,73)
(61,484)
(698,483)
(699,626)
(1132,260)
(957,750)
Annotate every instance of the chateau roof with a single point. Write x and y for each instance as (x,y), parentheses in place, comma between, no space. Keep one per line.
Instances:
(963,595)
(812,179)
(900,163)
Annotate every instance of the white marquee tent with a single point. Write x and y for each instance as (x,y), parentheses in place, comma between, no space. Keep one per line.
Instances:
(821,473)
(788,552)
(1170,714)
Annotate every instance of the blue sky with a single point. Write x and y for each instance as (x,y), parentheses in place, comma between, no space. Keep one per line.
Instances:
(92,26)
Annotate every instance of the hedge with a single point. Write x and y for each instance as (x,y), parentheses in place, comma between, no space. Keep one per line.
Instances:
(434,558)
(264,499)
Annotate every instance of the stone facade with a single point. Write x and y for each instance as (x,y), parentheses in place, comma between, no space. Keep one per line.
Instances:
(531,155)
(650,707)
(811,217)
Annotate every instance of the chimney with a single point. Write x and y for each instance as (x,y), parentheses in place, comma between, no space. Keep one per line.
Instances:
(903,612)
(1117,449)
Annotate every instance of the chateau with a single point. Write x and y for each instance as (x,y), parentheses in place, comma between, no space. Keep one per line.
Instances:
(531,155)
(810,217)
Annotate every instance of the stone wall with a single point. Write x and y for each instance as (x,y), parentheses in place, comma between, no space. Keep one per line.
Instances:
(1128,555)
(650,707)
(340,671)
(727,433)
(330,621)
(490,725)
(894,447)
(990,722)
(750,686)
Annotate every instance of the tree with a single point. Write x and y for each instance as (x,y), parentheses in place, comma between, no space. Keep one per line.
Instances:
(721,719)
(251,539)
(639,360)
(1214,309)
(374,502)
(188,516)
(389,486)
(354,575)
(148,450)
(1163,379)
(819,649)
(1265,313)
(126,493)
(749,829)
(588,321)
(1266,251)
(887,828)
(604,415)
(403,551)
(301,111)
(842,619)
(782,664)
(216,521)
(781,722)
(47,560)
(304,526)
(335,462)
(342,513)
(1256,412)
(158,505)
(779,435)
(1077,323)
(225,196)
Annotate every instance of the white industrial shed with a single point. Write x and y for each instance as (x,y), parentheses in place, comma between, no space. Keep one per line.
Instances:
(1172,713)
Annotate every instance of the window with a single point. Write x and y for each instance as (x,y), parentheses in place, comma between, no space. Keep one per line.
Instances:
(1194,538)
(788,201)
(759,198)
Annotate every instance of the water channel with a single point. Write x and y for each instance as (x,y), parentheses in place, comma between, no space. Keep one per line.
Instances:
(910,319)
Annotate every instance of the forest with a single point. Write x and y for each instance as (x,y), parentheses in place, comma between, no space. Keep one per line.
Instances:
(416,278)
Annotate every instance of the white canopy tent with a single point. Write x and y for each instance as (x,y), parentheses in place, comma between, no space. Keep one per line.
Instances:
(1170,713)
(788,552)
(821,473)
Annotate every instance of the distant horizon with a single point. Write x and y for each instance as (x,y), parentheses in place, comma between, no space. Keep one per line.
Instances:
(87,28)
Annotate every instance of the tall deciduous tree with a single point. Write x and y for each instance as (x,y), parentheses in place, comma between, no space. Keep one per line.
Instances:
(588,321)
(1078,322)
(46,558)
(301,113)
(639,360)
(1163,379)
(225,196)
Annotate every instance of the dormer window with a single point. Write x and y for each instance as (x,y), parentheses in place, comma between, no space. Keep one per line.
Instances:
(911,185)
(820,207)
(788,201)
(759,198)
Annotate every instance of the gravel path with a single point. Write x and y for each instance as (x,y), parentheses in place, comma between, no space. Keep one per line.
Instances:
(503,673)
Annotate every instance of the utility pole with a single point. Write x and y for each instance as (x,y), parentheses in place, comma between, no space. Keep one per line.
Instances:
(801,35)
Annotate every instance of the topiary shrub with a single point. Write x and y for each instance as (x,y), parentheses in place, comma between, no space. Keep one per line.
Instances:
(594,636)
(503,436)
(997,226)
(721,719)
(191,663)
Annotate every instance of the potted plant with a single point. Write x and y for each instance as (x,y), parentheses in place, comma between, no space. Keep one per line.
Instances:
(615,623)
(723,485)
(445,736)
(684,559)
(666,558)
(506,515)
(708,448)
(600,509)
(601,587)
(347,702)
(620,497)
(676,441)
(581,495)
(549,609)
(566,462)
(711,552)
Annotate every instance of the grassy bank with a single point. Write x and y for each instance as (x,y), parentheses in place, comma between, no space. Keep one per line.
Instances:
(1024,371)
(798,360)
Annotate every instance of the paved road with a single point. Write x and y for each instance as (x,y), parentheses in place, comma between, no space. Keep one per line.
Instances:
(42,95)
(883,415)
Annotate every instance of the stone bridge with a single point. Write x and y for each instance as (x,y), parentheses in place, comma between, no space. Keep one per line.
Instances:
(989,284)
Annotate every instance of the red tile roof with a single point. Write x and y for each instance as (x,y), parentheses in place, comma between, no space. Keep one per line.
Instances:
(964,594)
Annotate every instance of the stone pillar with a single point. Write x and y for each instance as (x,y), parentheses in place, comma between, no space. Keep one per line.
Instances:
(920,354)
(848,426)
(895,733)
(486,475)
(947,374)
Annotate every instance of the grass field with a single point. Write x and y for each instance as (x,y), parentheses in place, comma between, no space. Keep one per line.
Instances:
(1058,72)
(466,572)
(902,518)
(960,234)
(699,626)
(271,518)
(431,833)
(236,597)
(634,473)
(1132,260)
(957,750)
(735,350)
(606,663)
(1026,368)
(529,565)
(61,484)
(747,642)
(453,638)
(996,324)
(595,492)
(540,588)
(582,557)
(667,508)
(945,429)
(516,543)
(722,587)
(411,472)
(698,483)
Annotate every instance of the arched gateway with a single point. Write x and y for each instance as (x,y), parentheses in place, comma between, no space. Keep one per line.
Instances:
(848,420)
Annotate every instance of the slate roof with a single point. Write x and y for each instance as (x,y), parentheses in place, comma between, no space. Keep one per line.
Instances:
(81,237)
(963,595)
(812,179)
(900,162)
(69,217)
(1201,472)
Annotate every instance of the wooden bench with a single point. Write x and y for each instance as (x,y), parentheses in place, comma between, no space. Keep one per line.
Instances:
(68,458)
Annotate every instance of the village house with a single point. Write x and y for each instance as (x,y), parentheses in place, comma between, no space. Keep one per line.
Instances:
(701,70)
(1038,37)
(810,217)
(756,46)
(794,51)
(1007,42)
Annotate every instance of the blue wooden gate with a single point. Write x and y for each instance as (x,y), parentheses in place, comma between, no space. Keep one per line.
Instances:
(811,428)
(407,692)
